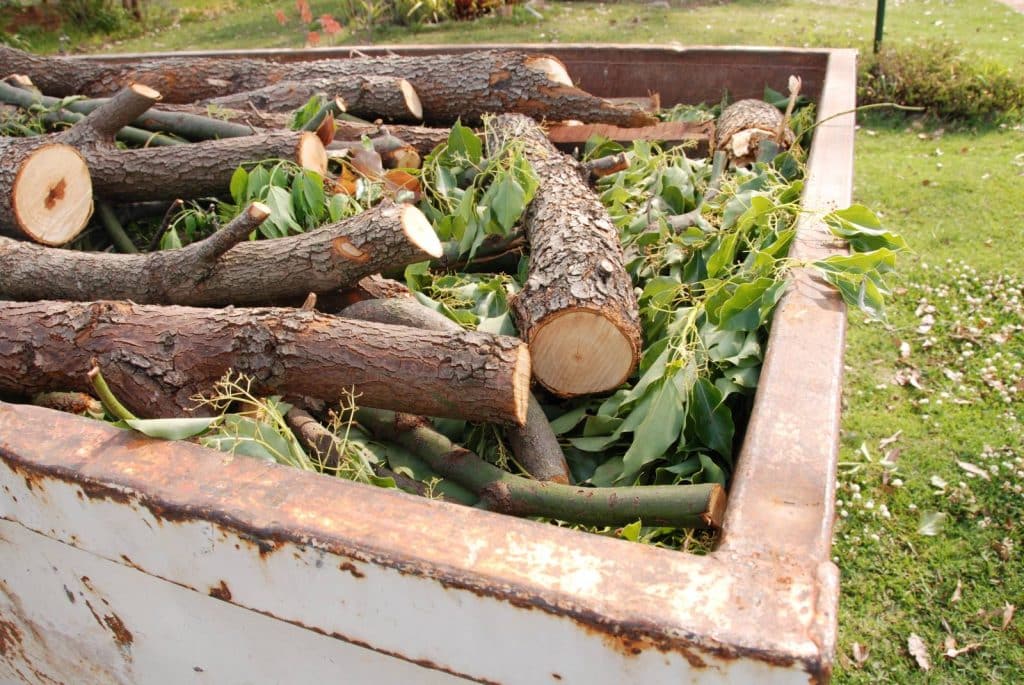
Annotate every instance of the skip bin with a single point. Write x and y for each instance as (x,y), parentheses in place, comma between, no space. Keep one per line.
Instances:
(127,560)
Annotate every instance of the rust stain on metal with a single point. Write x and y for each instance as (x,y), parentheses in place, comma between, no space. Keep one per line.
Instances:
(351,568)
(122,635)
(221,592)
(10,638)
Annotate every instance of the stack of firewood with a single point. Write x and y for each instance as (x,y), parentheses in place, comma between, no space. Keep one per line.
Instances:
(149,320)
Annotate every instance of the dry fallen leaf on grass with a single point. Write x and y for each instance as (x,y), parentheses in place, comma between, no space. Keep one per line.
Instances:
(919,650)
(956,593)
(931,523)
(1008,612)
(885,442)
(972,468)
(860,654)
(953,652)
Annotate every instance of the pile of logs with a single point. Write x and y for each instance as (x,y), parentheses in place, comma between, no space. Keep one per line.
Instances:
(148,321)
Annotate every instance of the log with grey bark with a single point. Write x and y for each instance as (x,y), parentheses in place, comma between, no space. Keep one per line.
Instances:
(156,359)
(226,268)
(577,309)
(534,444)
(450,86)
(390,98)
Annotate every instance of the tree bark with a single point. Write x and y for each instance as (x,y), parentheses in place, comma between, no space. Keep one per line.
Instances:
(458,86)
(423,139)
(156,358)
(217,271)
(534,444)
(744,125)
(45,190)
(577,310)
(370,97)
(195,170)
(680,506)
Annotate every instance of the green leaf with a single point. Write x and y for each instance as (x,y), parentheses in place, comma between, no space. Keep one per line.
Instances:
(750,305)
(710,472)
(661,426)
(631,532)
(171,240)
(463,141)
(710,419)
(259,179)
(172,429)
(281,216)
(313,192)
(861,227)
(507,202)
(569,420)
(239,184)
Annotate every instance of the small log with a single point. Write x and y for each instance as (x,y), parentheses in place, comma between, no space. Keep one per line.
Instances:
(606,166)
(744,125)
(226,268)
(450,86)
(679,506)
(422,139)
(577,310)
(373,97)
(186,124)
(45,190)
(79,403)
(155,359)
(534,444)
(695,138)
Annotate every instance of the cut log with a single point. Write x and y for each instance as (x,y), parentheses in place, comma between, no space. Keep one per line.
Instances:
(45,190)
(225,268)
(744,125)
(196,170)
(423,139)
(684,506)
(371,97)
(534,444)
(155,359)
(455,86)
(696,138)
(187,124)
(577,310)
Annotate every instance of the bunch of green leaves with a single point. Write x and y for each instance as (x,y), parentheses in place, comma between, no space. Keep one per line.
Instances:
(474,301)
(297,198)
(469,195)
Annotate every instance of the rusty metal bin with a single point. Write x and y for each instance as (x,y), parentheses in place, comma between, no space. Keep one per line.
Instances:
(129,560)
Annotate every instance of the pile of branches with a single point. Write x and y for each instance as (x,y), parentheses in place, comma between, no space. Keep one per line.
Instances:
(307,317)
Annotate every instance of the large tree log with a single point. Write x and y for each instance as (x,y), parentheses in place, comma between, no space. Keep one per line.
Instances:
(534,444)
(156,358)
(45,190)
(577,310)
(450,87)
(371,97)
(221,270)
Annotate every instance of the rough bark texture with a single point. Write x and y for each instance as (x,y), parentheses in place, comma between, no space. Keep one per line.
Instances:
(250,273)
(45,190)
(156,358)
(744,125)
(534,444)
(196,170)
(450,87)
(368,97)
(576,270)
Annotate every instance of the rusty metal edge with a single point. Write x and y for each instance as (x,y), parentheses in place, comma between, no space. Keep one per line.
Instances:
(744,542)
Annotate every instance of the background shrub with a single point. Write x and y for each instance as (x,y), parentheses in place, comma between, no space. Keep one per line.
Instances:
(948,83)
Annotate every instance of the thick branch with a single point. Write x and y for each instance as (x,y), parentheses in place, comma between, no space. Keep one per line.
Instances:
(156,358)
(216,271)
(534,445)
(577,310)
(683,506)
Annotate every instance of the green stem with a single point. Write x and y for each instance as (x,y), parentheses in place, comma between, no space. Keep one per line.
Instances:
(681,506)
(114,229)
(110,403)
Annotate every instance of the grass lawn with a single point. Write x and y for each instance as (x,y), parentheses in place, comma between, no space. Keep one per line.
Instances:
(929,538)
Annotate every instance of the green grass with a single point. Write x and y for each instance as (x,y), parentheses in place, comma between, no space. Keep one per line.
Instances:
(956,196)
